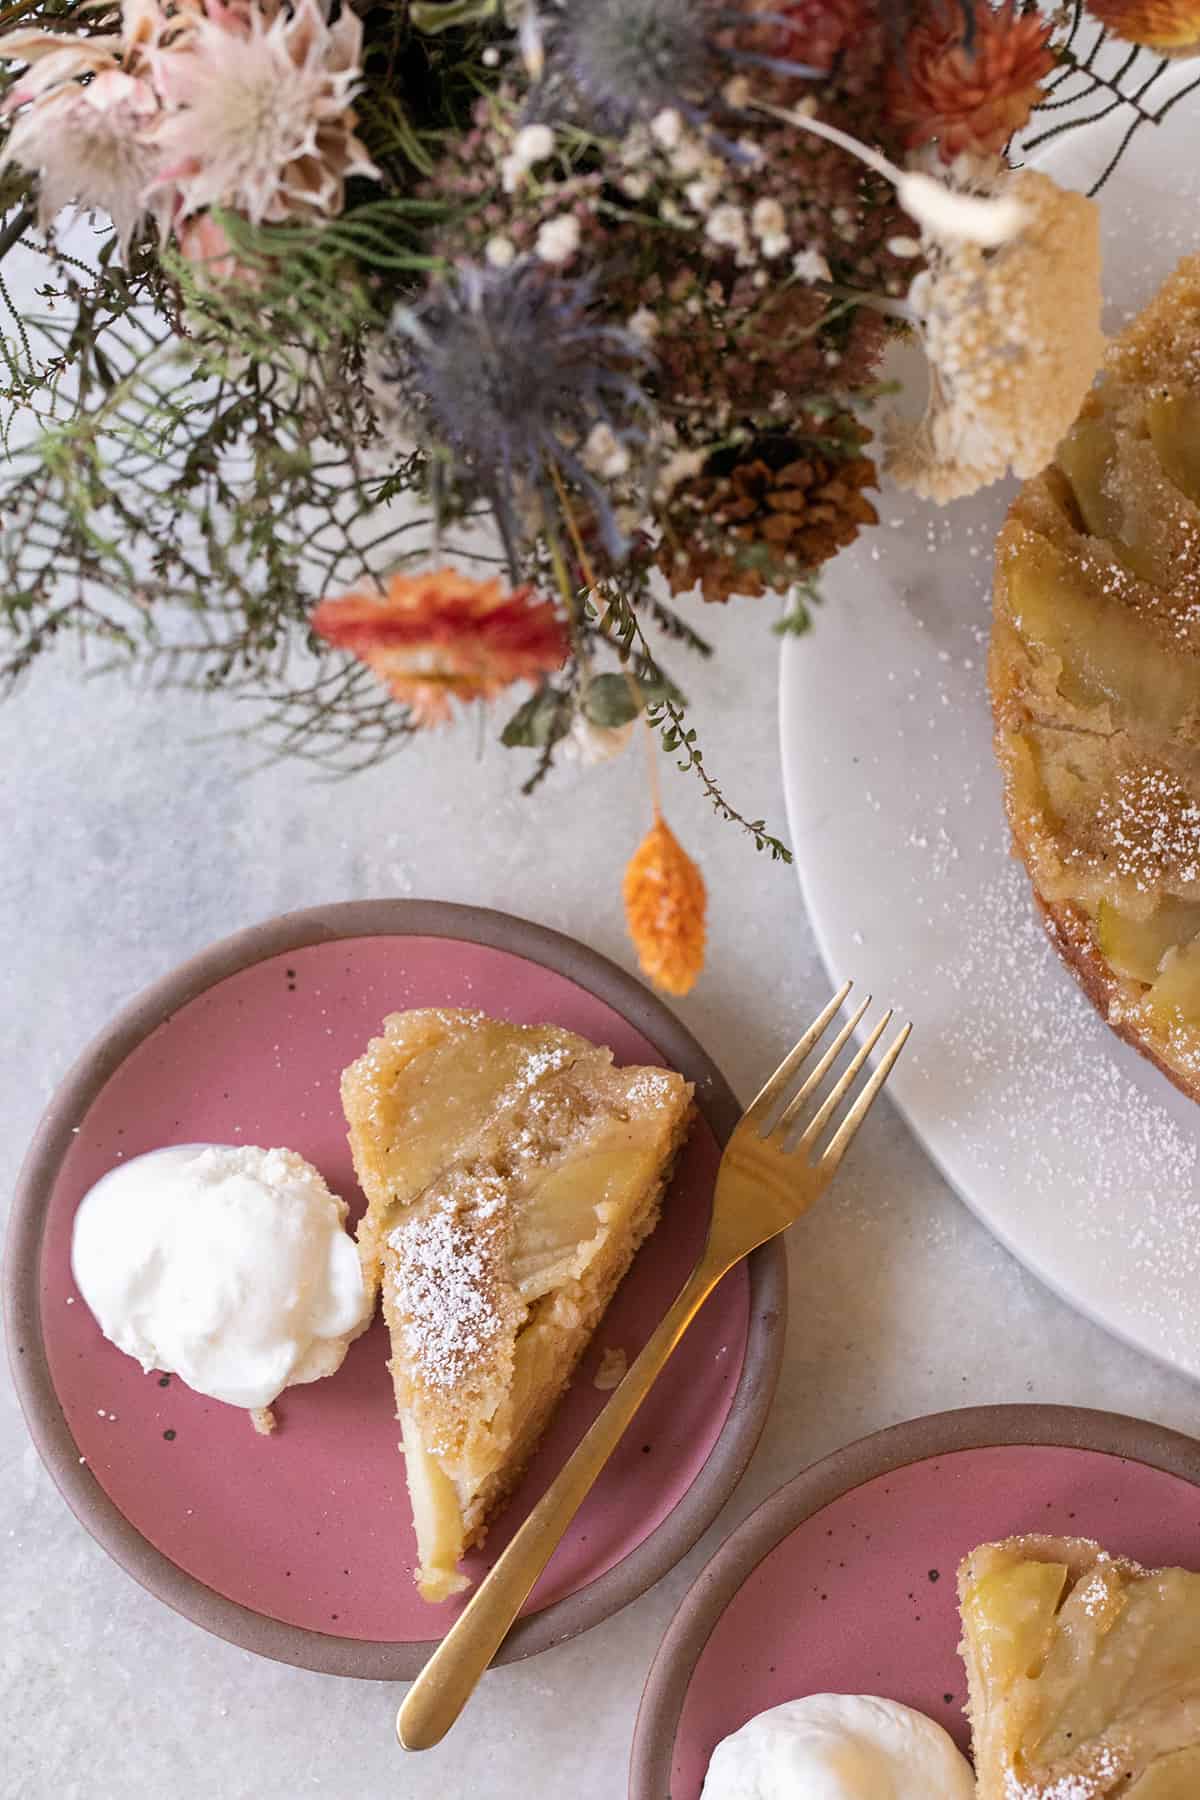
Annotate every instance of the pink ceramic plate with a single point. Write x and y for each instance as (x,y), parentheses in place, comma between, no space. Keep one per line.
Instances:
(300,1546)
(844,1581)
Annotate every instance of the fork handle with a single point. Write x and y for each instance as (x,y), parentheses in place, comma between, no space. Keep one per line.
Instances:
(448,1679)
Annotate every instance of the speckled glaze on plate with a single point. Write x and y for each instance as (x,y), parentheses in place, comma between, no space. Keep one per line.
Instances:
(844,1580)
(300,1546)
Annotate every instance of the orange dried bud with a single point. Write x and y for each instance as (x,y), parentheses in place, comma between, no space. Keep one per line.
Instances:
(665,904)
(1172,27)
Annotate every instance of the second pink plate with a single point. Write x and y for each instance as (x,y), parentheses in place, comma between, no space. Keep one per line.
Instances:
(300,1546)
(844,1581)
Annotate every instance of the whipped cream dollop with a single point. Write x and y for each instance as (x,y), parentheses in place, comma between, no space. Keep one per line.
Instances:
(839,1747)
(226,1265)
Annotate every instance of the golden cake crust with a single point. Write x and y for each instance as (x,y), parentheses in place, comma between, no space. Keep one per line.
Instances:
(1094,673)
(1117,1001)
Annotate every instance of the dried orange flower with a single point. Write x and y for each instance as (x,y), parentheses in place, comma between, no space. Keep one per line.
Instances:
(665,905)
(969,98)
(1172,27)
(810,31)
(444,636)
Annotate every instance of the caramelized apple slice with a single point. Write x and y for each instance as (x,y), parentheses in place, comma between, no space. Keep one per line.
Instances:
(1105,649)
(1119,1648)
(1136,947)
(564,1216)
(1174,424)
(426,1077)
(1174,999)
(437,1518)
(555,1226)
(1009,1615)
(1087,456)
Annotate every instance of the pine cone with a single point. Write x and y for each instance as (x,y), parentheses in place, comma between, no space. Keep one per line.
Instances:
(767,514)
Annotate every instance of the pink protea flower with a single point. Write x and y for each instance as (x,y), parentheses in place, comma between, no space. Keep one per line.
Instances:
(80,113)
(256,111)
(55,58)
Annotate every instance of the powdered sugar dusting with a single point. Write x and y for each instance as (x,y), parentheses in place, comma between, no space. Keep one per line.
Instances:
(1092,1595)
(1153,825)
(1104,1768)
(1024,1041)
(446,1278)
(546,1060)
(648,1087)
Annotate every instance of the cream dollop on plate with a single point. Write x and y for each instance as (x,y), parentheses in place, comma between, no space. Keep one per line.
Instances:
(226,1265)
(839,1747)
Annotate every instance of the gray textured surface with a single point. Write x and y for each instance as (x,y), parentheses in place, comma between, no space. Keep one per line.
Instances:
(133,838)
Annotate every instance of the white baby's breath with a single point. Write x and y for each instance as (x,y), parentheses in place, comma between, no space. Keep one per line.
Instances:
(726,225)
(701,193)
(691,156)
(532,144)
(667,128)
(558,239)
(809,265)
(768,222)
(604,452)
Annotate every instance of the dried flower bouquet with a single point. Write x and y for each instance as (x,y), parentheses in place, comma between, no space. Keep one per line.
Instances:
(403,353)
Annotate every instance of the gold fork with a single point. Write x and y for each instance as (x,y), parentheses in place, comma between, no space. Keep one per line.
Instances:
(770,1174)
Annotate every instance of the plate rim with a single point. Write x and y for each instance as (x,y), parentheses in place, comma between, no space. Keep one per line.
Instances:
(184,1593)
(993,1426)
(1050,1278)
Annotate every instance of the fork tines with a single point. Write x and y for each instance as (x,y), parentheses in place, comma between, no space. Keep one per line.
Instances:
(775,1092)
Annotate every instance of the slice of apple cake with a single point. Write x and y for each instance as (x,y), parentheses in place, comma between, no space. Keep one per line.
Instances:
(511,1173)
(1095,680)
(1083,1673)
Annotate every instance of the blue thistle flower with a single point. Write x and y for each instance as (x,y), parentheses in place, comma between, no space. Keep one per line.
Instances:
(507,372)
(609,64)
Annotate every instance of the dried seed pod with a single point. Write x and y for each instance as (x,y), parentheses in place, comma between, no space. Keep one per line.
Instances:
(665,906)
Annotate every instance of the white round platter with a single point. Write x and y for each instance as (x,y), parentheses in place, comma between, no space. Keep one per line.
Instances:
(1078,1155)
